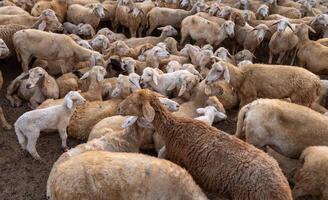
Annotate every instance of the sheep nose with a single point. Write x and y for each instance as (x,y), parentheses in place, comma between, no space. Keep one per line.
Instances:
(28,86)
(142,85)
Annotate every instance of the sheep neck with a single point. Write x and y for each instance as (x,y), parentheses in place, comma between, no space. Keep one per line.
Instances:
(236,76)
(81,53)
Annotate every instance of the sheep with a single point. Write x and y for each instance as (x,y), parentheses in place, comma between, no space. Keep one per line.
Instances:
(99,43)
(111,169)
(29,125)
(110,12)
(163,83)
(243,55)
(59,6)
(288,12)
(6,3)
(311,177)
(282,41)
(259,81)
(211,174)
(77,14)
(86,116)
(160,16)
(111,36)
(210,114)
(4,124)
(316,60)
(46,21)
(126,85)
(31,43)
(167,31)
(215,34)
(254,38)
(96,74)
(85,30)
(261,130)
(131,17)
(13,10)
(36,88)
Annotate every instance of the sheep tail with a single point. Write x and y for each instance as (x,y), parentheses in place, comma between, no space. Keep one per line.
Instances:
(240,122)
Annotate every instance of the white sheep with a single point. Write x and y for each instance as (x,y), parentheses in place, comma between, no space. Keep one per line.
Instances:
(210,114)
(29,125)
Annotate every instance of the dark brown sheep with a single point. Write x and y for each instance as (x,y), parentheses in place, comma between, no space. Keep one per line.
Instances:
(217,161)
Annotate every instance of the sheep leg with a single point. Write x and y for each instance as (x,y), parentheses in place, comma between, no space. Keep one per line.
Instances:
(63,137)
(31,143)
(3,120)
(133,32)
(21,138)
(150,30)
(26,59)
(281,56)
(293,57)
(140,31)
(270,57)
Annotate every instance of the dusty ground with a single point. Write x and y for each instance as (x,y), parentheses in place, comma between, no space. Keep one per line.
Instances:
(21,177)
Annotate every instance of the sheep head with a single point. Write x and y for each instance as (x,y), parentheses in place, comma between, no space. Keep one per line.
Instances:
(229,28)
(48,21)
(237,18)
(100,42)
(85,44)
(36,75)
(98,10)
(263,11)
(302,30)
(218,70)
(168,31)
(98,72)
(214,9)
(212,111)
(148,75)
(86,30)
(225,12)
(260,31)
(4,50)
(244,55)
(72,99)
(169,104)
(282,25)
(128,64)
(222,53)
(157,53)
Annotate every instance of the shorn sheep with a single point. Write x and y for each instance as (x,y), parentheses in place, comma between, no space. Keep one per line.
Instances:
(29,125)
(121,176)
(285,127)
(31,43)
(311,178)
(217,161)
(261,81)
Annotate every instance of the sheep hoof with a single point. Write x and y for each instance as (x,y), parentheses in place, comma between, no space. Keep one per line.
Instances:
(65,149)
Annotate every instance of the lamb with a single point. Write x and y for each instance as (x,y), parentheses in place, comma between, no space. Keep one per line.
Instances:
(126,85)
(211,174)
(163,83)
(29,125)
(31,43)
(210,114)
(316,61)
(84,30)
(36,88)
(111,36)
(59,6)
(311,178)
(174,182)
(77,14)
(3,51)
(167,31)
(161,16)
(99,43)
(96,74)
(258,81)
(282,41)
(46,21)
(215,34)
(261,130)
(131,17)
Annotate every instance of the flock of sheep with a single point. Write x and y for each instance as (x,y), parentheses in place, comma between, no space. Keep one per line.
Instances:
(129,91)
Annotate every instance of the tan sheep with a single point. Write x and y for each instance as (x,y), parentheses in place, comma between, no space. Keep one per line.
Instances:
(285,127)
(260,81)
(311,178)
(31,43)
(14,10)
(217,161)
(59,6)
(121,176)
(81,14)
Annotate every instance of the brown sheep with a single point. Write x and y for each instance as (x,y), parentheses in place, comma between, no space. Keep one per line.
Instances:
(270,81)
(217,161)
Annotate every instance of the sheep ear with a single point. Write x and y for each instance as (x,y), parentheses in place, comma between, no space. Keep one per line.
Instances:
(182,89)
(69,103)
(42,25)
(171,86)
(93,60)
(85,75)
(100,77)
(148,111)
(311,29)
(129,121)
(208,90)
(155,79)
(200,111)
(226,75)
(220,115)
(105,46)
(142,122)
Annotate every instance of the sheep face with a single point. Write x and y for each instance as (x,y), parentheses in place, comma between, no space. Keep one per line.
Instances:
(172,66)
(4,50)
(121,48)
(222,53)
(225,12)
(85,30)
(73,98)
(48,20)
(229,28)
(120,85)
(214,9)
(35,75)
(97,71)
(217,71)
(128,64)
(85,44)
(302,30)
(260,29)
(168,31)
(282,25)
(263,10)
(147,76)
(244,55)
(169,104)
(159,53)
(99,42)
(98,10)
(134,82)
